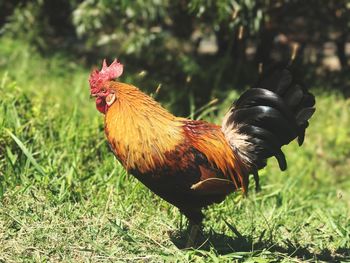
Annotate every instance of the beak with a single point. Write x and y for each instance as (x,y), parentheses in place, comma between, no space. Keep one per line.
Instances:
(94,92)
(95,95)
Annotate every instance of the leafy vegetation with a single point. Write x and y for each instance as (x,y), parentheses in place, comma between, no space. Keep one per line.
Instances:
(64,197)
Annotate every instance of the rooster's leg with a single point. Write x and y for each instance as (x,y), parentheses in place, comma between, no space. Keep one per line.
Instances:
(194,231)
(195,217)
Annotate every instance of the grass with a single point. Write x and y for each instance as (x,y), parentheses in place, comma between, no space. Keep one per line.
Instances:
(64,197)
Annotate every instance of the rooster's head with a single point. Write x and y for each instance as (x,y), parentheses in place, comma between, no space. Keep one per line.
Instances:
(99,87)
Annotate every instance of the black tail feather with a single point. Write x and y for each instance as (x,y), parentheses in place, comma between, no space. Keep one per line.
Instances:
(273,143)
(270,115)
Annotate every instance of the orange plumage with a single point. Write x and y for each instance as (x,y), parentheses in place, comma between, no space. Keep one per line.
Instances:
(192,164)
(162,150)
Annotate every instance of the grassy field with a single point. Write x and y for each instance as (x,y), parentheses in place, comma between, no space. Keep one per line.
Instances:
(64,197)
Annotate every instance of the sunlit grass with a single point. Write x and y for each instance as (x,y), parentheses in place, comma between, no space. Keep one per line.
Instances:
(65,198)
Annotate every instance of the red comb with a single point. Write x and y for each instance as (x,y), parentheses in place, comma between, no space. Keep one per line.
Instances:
(110,72)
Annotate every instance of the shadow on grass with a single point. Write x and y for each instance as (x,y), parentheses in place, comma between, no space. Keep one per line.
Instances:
(224,245)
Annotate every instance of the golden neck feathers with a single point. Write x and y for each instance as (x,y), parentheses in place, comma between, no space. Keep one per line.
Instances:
(139,130)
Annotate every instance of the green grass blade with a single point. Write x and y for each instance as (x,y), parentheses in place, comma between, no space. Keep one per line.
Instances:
(27,153)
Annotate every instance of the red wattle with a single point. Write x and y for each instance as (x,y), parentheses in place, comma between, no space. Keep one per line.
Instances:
(101,105)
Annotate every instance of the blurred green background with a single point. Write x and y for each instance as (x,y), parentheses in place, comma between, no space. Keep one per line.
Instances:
(63,196)
(214,45)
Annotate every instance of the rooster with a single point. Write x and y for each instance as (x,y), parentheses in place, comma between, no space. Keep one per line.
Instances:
(192,163)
